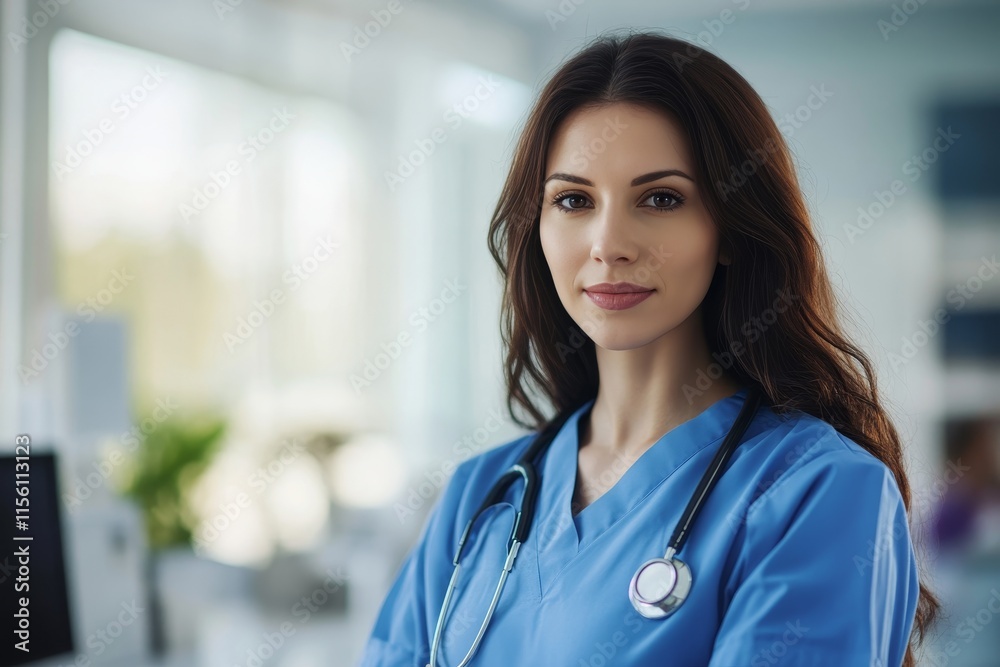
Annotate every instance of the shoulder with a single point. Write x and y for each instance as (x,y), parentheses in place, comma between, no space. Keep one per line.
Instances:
(817,517)
(797,451)
(808,482)
(486,466)
(462,481)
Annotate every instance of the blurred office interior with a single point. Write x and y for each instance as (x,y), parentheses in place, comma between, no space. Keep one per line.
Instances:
(250,322)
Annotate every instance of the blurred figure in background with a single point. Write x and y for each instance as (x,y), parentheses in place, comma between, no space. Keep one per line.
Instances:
(968,516)
(964,544)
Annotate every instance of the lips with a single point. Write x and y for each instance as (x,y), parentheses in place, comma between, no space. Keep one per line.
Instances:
(617,288)
(618,296)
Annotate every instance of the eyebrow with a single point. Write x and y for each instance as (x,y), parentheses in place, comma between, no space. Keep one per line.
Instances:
(638,180)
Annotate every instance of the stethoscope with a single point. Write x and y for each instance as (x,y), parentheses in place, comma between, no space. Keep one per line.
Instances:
(658,587)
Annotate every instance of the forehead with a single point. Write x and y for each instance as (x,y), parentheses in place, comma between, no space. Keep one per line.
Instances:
(622,140)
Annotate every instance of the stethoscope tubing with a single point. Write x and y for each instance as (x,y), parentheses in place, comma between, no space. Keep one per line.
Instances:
(525,469)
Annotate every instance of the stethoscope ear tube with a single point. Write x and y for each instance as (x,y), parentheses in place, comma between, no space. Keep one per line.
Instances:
(714,470)
(525,469)
(525,466)
(527,513)
(661,585)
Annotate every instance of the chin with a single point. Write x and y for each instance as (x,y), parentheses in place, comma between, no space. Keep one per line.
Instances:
(620,337)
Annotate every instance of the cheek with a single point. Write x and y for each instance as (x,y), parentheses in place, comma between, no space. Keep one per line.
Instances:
(700,257)
(545,236)
(687,273)
(558,252)
(694,247)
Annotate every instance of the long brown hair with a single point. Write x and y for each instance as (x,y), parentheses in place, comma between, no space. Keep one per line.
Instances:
(800,359)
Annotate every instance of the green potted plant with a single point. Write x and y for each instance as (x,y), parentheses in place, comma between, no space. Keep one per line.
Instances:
(158,478)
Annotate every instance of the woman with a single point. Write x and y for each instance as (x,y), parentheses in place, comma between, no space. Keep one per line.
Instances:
(660,272)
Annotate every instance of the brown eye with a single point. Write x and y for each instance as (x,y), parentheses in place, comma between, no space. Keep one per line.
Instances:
(573,201)
(664,200)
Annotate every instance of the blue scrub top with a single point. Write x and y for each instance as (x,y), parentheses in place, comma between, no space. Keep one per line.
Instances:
(801,555)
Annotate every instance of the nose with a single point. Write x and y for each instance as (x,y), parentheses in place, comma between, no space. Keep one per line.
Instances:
(613,242)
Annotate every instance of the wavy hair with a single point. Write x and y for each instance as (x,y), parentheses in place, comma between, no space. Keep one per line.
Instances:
(800,360)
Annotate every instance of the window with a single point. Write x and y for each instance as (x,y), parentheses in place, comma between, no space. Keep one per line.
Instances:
(218,217)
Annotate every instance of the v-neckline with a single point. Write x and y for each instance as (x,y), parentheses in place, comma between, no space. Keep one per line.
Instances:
(560,534)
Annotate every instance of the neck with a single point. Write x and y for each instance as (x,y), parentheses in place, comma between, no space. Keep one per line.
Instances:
(646,391)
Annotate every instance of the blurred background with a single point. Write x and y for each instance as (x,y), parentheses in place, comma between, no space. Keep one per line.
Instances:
(250,323)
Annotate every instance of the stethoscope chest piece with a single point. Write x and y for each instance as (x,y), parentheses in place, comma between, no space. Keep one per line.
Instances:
(657,588)
(660,586)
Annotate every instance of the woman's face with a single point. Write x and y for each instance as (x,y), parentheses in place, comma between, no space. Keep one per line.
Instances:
(620,205)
